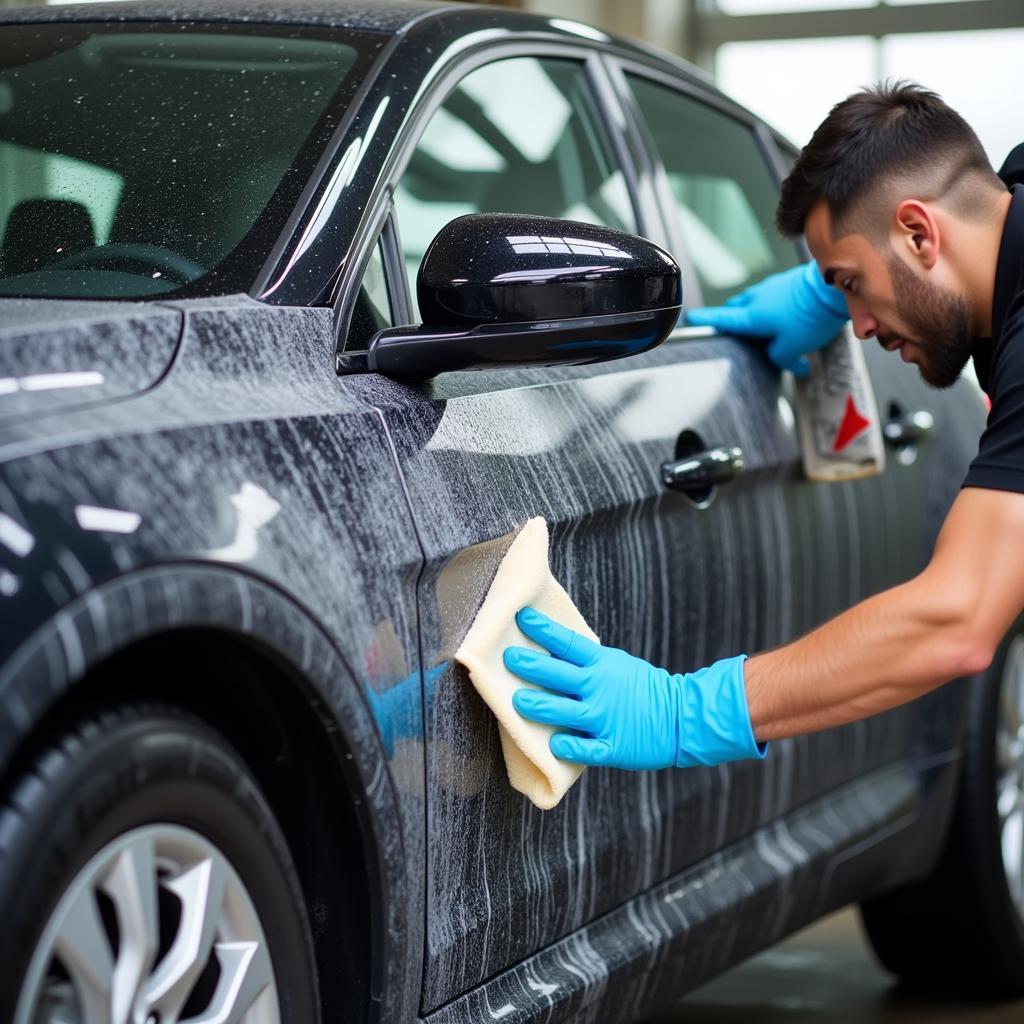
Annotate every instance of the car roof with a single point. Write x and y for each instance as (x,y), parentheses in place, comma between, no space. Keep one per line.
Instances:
(388,16)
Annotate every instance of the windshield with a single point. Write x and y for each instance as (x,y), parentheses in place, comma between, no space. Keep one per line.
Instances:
(135,159)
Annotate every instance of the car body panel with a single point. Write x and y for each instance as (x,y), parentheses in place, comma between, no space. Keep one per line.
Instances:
(784,875)
(585,452)
(385,16)
(256,460)
(112,616)
(56,356)
(483,452)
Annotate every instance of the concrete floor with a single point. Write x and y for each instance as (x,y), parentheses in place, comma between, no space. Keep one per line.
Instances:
(825,973)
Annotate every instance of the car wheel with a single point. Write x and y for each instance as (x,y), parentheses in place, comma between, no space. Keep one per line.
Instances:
(961,930)
(143,880)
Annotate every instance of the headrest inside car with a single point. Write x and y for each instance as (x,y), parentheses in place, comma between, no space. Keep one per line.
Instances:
(42,231)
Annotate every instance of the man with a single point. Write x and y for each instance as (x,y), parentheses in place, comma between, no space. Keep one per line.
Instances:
(920,243)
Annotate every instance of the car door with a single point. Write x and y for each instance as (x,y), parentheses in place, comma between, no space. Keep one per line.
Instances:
(678,581)
(848,540)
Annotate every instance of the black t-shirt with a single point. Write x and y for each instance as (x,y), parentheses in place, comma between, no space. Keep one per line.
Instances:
(999,362)
(1012,171)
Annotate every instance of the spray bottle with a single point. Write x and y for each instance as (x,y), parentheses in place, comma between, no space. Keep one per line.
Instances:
(837,418)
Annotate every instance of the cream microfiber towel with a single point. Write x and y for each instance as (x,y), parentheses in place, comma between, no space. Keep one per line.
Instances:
(523,578)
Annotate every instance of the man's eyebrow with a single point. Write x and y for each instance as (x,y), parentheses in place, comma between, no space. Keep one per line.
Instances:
(830,275)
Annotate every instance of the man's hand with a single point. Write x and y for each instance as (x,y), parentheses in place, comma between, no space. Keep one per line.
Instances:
(630,714)
(795,309)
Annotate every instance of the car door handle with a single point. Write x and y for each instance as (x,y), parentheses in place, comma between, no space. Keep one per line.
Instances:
(703,469)
(909,428)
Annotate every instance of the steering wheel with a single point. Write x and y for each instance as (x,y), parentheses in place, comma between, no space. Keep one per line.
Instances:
(142,254)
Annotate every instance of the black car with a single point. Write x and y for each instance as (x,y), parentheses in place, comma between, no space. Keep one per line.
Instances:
(254,484)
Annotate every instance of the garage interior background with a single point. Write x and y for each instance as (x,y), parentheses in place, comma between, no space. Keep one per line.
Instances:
(967,50)
(790,60)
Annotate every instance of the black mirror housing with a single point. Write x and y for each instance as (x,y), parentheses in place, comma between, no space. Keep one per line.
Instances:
(503,290)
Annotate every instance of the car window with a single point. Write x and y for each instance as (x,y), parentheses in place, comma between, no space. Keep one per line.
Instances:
(135,158)
(520,135)
(372,310)
(724,190)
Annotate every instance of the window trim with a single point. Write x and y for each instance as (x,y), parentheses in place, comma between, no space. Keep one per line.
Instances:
(757,129)
(671,235)
(394,268)
(774,144)
(381,205)
(397,285)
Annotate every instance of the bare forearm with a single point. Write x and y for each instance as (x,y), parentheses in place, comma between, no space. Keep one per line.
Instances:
(879,654)
(944,623)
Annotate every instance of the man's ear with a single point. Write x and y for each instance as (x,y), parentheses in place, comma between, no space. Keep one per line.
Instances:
(917,230)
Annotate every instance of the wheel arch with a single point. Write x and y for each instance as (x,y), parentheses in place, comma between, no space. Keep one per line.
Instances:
(196,635)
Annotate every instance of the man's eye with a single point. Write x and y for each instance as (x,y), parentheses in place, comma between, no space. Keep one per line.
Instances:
(847,284)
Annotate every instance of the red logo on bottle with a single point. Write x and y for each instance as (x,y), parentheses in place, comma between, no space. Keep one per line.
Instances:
(853,425)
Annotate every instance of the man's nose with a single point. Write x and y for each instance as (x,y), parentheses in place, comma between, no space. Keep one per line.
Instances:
(864,324)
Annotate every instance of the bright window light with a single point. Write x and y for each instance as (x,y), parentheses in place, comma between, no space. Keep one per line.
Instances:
(967,69)
(785,6)
(794,83)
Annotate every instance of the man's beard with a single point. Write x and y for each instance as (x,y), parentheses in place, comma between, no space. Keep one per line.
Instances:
(939,321)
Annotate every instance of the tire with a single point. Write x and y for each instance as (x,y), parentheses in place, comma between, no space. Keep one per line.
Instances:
(960,931)
(137,847)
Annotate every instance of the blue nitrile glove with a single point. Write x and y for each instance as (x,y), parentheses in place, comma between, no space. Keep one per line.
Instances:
(633,714)
(795,308)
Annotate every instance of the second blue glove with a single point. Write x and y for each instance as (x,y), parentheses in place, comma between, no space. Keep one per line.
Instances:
(794,308)
(624,712)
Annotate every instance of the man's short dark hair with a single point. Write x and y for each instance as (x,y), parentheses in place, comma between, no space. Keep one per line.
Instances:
(893,133)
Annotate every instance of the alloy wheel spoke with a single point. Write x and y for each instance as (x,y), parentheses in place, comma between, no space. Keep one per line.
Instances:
(1005,751)
(1013,853)
(1018,885)
(201,891)
(97,960)
(1012,696)
(245,974)
(1009,757)
(132,885)
(59,1004)
(83,948)
(1009,797)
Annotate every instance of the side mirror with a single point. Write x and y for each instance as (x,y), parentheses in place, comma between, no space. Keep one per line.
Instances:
(502,290)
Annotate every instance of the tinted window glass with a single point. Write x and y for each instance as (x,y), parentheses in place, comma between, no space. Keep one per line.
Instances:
(516,136)
(134,158)
(372,310)
(723,188)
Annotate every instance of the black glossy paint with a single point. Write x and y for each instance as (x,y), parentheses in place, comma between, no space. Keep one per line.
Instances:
(783,875)
(510,268)
(352,526)
(55,356)
(479,452)
(510,290)
(425,352)
(248,467)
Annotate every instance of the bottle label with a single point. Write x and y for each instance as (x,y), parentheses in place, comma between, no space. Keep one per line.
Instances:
(840,433)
